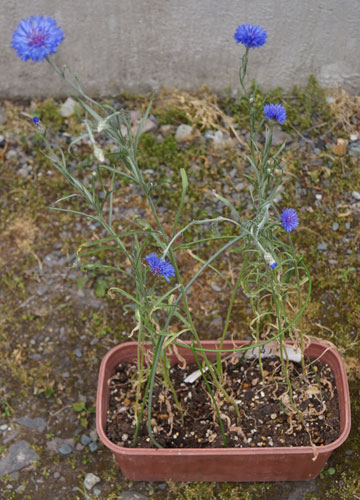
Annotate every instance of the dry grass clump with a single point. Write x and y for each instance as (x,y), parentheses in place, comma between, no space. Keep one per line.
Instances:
(201,109)
(346,109)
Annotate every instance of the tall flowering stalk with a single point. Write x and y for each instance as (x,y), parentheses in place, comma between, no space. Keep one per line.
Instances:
(270,273)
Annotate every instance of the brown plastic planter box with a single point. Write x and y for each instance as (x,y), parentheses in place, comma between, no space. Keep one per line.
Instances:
(220,464)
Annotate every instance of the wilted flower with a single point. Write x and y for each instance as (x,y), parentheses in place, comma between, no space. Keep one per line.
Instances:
(98,153)
(37,37)
(251,36)
(275,112)
(40,127)
(289,219)
(270,260)
(160,266)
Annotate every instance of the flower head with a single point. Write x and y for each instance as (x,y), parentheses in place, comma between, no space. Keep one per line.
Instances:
(275,112)
(160,266)
(251,36)
(270,260)
(40,127)
(37,37)
(289,219)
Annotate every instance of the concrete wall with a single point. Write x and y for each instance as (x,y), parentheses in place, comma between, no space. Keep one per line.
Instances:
(141,44)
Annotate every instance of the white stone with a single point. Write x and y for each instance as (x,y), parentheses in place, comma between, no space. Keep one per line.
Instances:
(353,137)
(355,195)
(68,107)
(90,480)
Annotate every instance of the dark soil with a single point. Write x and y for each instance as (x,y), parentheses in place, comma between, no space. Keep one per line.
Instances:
(266,417)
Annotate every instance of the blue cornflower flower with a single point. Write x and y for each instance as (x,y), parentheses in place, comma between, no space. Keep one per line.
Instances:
(289,219)
(275,112)
(37,37)
(273,265)
(251,36)
(160,266)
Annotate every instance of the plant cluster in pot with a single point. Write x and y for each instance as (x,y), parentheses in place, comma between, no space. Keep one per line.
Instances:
(172,405)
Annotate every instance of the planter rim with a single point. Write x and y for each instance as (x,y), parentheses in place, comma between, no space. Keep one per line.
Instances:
(328,448)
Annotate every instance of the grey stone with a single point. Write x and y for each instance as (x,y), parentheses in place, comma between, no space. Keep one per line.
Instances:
(65,449)
(240,186)
(221,140)
(20,488)
(300,490)
(90,480)
(84,439)
(279,136)
(36,423)
(131,495)
(19,455)
(25,170)
(166,130)
(183,132)
(322,246)
(335,226)
(356,195)
(4,427)
(93,447)
(79,447)
(96,492)
(93,435)
(78,353)
(56,475)
(354,149)
(54,444)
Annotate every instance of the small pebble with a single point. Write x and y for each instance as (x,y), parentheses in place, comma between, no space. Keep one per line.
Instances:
(3,427)
(335,226)
(93,435)
(356,195)
(78,353)
(93,446)
(65,449)
(273,416)
(90,480)
(322,246)
(353,137)
(85,440)
(183,132)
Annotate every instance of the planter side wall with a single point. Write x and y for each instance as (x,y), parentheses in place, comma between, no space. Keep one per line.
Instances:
(221,464)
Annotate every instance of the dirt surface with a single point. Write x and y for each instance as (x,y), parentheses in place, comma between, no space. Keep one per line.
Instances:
(265,418)
(57,319)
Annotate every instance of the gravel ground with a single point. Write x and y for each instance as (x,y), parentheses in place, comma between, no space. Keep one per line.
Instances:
(57,321)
